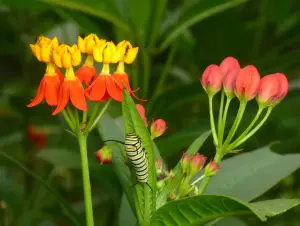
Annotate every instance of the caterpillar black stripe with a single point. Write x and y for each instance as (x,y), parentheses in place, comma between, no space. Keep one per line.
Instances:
(137,156)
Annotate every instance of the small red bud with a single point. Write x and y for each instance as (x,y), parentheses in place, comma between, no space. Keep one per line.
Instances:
(268,90)
(211,168)
(142,113)
(159,165)
(284,86)
(158,127)
(104,155)
(185,161)
(197,163)
(229,82)
(37,136)
(247,83)
(229,64)
(212,79)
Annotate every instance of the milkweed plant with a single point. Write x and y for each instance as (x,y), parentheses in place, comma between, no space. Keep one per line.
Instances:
(157,195)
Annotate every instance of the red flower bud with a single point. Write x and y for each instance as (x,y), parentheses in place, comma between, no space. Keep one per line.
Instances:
(229,64)
(159,165)
(104,155)
(37,136)
(185,161)
(268,90)
(212,79)
(211,168)
(284,86)
(142,113)
(247,83)
(158,128)
(197,163)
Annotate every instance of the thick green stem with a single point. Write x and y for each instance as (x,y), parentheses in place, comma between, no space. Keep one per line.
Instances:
(86,180)
(233,145)
(220,127)
(212,120)
(236,123)
(68,120)
(257,127)
(228,101)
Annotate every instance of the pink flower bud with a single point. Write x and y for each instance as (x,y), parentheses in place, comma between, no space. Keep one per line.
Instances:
(247,83)
(212,79)
(284,86)
(268,90)
(185,161)
(104,155)
(229,82)
(229,64)
(211,168)
(158,128)
(142,113)
(197,163)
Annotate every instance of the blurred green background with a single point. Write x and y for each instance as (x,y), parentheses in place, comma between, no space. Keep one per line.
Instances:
(177,40)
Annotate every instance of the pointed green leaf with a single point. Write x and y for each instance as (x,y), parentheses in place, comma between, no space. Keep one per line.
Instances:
(195,14)
(197,144)
(200,210)
(239,175)
(134,124)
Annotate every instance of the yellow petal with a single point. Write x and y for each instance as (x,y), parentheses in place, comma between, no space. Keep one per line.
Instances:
(90,45)
(116,56)
(54,42)
(38,53)
(66,60)
(81,44)
(98,52)
(76,58)
(45,54)
(131,55)
(109,52)
(57,59)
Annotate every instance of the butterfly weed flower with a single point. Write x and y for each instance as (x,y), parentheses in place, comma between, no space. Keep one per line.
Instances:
(50,83)
(87,45)
(230,68)
(158,128)
(211,79)
(71,90)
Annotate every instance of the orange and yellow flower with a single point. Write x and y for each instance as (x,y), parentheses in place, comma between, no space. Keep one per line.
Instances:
(71,89)
(87,45)
(50,83)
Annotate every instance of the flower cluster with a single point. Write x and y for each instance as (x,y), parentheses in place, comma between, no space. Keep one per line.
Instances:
(244,83)
(58,89)
(158,126)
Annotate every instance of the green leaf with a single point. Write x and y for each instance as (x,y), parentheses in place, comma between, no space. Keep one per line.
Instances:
(195,14)
(134,124)
(62,158)
(56,196)
(197,144)
(274,207)
(108,129)
(203,209)
(240,175)
(126,214)
(104,9)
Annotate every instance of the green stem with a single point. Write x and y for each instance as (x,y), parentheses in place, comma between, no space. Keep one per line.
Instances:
(237,122)
(95,121)
(218,157)
(68,120)
(221,118)
(147,212)
(233,144)
(86,180)
(212,120)
(92,116)
(198,179)
(228,101)
(84,117)
(257,127)
(72,117)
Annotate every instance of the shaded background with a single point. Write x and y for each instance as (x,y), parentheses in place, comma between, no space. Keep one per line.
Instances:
(177,40)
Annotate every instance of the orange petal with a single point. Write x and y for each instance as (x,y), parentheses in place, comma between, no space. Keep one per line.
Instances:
(60,74)
(40,94)
(86,74)
(77,95)
(97,89)
(113,89)
(63,97)
(105,97)
(52,90)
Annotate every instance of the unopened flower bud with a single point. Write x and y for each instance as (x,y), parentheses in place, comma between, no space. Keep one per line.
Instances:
(247,83)
(158,127)
(212,79)
(142,113)
(172,196)
(268,90)
(197,163)
(185,161)
(284,87)
(159,166)
(211,168)
(104,155)
(160,184)
(229,64)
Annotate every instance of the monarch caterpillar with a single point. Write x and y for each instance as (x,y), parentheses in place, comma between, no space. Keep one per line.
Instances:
(137,156)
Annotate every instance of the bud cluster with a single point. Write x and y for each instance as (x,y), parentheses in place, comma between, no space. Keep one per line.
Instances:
(163,175)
